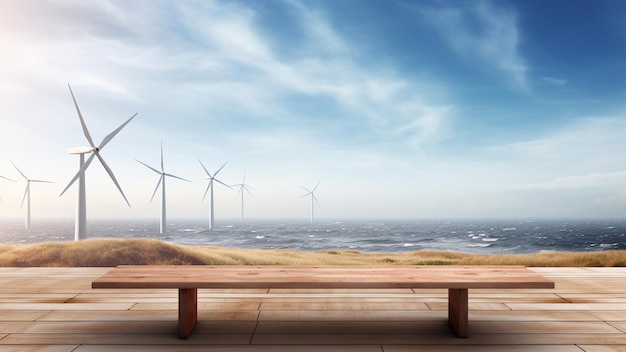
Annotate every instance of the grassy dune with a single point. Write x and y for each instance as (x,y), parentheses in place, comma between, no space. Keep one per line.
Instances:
(100,252)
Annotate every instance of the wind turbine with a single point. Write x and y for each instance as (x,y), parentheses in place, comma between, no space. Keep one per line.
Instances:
(212,178)
(80,231)
(162,184)
(27,193)
(243,187)
(313,198)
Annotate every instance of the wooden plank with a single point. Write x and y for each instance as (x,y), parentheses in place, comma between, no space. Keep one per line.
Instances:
(321,277)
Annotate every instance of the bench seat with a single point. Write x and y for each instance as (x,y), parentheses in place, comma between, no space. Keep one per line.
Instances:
(456,279)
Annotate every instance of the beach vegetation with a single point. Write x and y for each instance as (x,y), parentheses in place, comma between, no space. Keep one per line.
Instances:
(112,252)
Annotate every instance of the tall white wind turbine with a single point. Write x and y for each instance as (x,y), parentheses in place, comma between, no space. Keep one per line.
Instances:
(212,178)
(80,231)
(313,199)
(27,193)
(243,187)
(162,184)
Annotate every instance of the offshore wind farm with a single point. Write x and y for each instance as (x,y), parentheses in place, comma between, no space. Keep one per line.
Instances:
(471,111)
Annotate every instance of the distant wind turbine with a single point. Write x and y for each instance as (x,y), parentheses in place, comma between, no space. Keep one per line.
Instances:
(27,193)
(80,231)
(212,178)
(243,187)
(8,179)
(162,184)
(313,199)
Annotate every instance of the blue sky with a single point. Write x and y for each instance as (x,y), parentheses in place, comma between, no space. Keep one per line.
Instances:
(400,109)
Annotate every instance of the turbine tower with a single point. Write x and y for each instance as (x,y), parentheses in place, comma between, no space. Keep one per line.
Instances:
(313,199)
(243,187)
(27,194)
(162,184)
(80,231)
(212,178)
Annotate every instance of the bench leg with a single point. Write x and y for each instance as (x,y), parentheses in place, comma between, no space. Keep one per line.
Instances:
(458,311)
(187,311)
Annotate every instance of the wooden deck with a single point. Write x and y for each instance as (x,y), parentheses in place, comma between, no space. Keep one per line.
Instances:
(55,309)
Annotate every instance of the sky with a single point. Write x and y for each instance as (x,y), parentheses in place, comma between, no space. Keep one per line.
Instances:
(399,109)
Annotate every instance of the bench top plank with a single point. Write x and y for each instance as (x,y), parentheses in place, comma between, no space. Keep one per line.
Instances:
(311,277)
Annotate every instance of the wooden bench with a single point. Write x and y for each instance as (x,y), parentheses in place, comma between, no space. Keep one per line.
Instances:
(188,279)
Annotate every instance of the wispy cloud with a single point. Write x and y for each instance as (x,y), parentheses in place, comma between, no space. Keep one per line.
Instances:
(556,81)
(481,31)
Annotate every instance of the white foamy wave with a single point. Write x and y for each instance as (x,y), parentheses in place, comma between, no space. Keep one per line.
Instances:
(608,245)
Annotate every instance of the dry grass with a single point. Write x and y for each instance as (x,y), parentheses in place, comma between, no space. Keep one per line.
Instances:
(99,252)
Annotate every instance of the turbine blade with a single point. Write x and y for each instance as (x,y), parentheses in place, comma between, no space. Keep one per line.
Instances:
(25,193)
(207,189)
(174,176)
(315,198)
(247,190)
(157,188)
(108,169)
(82,121)
(80,172)
(110,136)
(18,170)
(314,188)
(305,189)
(240,188)
(162,168)
(40,181)
(220,169)
(205,170)
(6,178)
(149,167)
(216,180)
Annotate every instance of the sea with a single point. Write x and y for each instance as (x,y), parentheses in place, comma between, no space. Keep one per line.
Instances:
(389,236)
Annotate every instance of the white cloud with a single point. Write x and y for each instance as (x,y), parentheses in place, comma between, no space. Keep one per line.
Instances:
(556,81)
(485,32)
(610,179)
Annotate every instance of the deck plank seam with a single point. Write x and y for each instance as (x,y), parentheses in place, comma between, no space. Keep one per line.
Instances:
(69,300)
(615,327)
(256,326)
(563,298)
